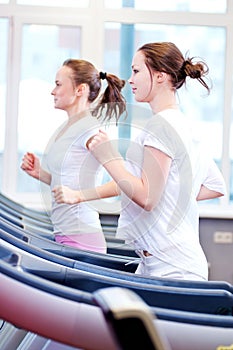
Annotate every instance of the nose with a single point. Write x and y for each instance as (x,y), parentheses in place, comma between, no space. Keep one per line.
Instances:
(130,80)
(52,92)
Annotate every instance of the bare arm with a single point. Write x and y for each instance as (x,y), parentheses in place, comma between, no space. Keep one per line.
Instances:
(63,194)
(213,186)
(141,190)
(205,193)
(31,165)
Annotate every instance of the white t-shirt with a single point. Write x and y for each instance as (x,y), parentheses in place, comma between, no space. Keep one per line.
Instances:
(71,164)
(171,230)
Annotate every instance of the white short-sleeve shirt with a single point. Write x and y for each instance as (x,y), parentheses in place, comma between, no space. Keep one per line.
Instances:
(171,230)
(71,164)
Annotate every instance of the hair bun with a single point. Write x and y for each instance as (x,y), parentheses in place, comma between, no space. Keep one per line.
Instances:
(193,70)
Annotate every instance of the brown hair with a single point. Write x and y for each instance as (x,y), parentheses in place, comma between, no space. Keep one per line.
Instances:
(111,103)
(166,57)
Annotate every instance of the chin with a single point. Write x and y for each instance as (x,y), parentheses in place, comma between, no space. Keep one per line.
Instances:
(138,99)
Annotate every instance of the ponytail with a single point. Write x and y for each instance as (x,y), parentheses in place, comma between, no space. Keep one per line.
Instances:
(112,102)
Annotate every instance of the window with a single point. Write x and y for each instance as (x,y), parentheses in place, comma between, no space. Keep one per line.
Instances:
(36,36)
(44,49)
(3,77)
(64,3)
(206,111)
(231,157)
(210,6)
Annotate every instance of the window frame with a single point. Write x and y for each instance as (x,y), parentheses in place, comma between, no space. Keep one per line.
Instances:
(92,22)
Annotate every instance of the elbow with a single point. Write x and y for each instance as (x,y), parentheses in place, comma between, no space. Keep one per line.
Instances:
(148,208)
(149,205)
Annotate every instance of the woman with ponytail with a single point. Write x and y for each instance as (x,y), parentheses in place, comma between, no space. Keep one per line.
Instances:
(77,91)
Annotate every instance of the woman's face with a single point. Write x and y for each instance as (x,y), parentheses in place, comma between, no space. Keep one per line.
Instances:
(140,79)
(64,91)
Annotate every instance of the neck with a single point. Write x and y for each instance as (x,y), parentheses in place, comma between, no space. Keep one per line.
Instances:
(163,101)
(164,107)
(76,117)
(77,113)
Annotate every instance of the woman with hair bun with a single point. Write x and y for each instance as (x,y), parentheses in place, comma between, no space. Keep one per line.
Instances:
(78,85)
(169,172)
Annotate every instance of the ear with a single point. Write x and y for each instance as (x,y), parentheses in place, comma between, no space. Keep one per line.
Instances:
(80,89)
(161,77)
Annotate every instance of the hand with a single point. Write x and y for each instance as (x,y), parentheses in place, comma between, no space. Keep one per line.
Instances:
(31,165)
(63,194)
(101,148)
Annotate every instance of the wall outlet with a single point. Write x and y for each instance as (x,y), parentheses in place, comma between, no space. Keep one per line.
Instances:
(223,237)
